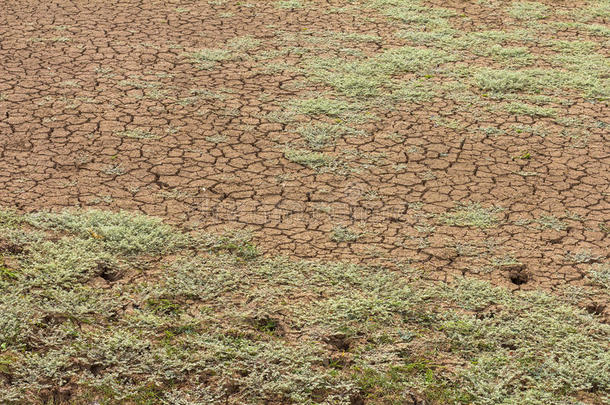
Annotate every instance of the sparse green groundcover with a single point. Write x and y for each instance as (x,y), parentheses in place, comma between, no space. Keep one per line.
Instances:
(472,214)
(137,134)
(208,58)
(320,134)
(314,160)
(343,234)
(101,307)
(523,64)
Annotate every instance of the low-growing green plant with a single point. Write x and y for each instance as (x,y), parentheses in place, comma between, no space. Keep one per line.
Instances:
(415,91)
(121,232)
(551,222)
(582,256)
(289,4)
(512,56)
(313,160)
(590,29)
(320,134)
(244,43)
(413,12)
(343,234)
(471,214)
(71,327)
(600,275)
(137,134)
(327,106)
(366,77)
(237,242)
(535,80)
(591,11)
(507,80)
(531,110)
(529,10)
(573,47)
(206,59)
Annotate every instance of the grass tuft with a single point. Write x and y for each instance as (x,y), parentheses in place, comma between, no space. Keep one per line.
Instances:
(471,214)
(313,160)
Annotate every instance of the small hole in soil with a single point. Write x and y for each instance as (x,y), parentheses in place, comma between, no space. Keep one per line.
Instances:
(53,319)
(11,248)
(509,346)
(356,399)
(57,395)
(339,341)
(519,278)
(107,273)
(231,388)
(318,394)
(267,325)
(96,369)
(485,315)
(595,308)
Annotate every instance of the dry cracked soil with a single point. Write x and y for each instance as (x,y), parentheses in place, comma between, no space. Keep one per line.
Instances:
(442,167)
(274,117)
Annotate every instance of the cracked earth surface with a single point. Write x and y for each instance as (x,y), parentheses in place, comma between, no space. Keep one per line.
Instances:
(108,105)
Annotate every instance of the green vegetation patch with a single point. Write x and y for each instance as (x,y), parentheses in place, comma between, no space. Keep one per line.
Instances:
(514,340)
(137,134)
(416,90)
(583,28)
(509,80)
(512,56)
(574,47)
(206,59)
(343,234)
(313,160)
(119,232)
(592,11)
(600,275)
(244,43)
(551,222)
(471,214)
(414,12)
(531,110)
(529,10)
(538,80)
(368,76)
(289,4)
(320,134)
(328,106)
(84,318)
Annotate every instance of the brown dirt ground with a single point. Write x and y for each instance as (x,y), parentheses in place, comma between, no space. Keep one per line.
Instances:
(74,74)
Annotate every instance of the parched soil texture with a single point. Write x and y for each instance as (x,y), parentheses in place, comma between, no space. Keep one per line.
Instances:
(438,140)
(458,140)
